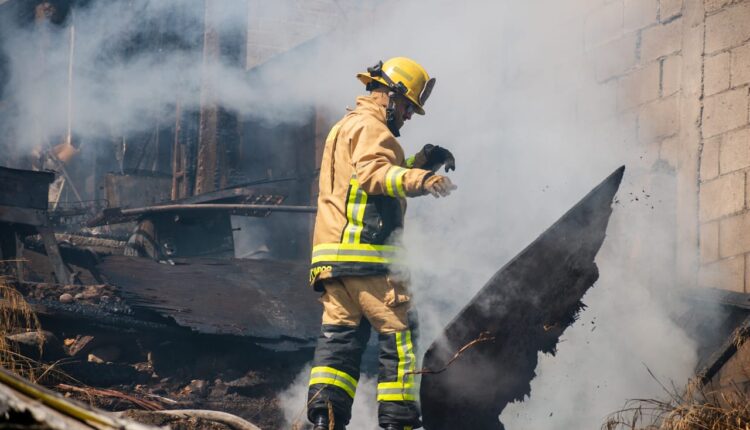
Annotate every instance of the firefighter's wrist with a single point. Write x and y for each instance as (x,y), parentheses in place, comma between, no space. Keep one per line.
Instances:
(422,190)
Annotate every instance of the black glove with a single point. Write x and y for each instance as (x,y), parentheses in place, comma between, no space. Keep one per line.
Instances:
(431,157)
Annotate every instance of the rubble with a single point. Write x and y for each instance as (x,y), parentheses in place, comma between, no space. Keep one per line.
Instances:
(23,404)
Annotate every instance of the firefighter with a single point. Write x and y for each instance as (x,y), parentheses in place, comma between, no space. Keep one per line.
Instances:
(364,182)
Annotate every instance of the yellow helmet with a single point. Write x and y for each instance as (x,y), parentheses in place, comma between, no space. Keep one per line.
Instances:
(404,76)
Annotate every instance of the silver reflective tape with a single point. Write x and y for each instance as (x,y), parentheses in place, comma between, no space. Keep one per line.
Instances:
(333,376)
(358,197)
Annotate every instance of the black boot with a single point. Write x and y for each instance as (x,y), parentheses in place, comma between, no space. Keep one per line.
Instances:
(321,422)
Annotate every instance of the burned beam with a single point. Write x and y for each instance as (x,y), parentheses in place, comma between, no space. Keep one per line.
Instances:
(726,351)
(718,296)
(211,163)
(249,298)
(521,311)
(117,215)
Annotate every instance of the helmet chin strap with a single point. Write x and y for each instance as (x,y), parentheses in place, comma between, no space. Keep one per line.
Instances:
(394,88)
(390,114)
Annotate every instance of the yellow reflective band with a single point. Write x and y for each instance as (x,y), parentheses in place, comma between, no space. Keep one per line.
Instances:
(396,398)
(401,361)
(411,359)
(406,358)
(404,388)
(355,212)
(353,252)
(399,385)
(394,181)
(388,388)
(330,376)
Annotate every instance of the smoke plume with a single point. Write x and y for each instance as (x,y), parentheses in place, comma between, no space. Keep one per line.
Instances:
(516,101)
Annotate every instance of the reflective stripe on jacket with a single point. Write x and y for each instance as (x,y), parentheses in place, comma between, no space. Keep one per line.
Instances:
(363,186)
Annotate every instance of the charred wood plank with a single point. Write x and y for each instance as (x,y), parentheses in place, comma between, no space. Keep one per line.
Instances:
(117,215)
(25,188)
(726,351)
(717,296)
(27,216)
(523,309)
(254,298)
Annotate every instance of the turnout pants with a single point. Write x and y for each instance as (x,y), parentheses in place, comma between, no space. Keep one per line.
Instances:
(385,305)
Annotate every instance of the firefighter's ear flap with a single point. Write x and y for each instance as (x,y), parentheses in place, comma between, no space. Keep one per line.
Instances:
(426,91)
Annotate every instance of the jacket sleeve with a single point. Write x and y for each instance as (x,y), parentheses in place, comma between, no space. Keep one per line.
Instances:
(377,158)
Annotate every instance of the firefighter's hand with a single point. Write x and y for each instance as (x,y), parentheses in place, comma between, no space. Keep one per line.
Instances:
(431,157)
(439,186)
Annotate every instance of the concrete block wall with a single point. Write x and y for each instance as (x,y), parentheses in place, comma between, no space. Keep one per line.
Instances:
(640,54)
(724,213)
(682,68)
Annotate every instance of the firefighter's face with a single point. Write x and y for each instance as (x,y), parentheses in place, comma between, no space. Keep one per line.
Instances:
(404,109)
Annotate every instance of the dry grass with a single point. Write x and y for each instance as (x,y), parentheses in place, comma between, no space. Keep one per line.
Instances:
(727,409)
(16,316)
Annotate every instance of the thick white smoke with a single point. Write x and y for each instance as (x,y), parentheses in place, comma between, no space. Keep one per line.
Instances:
(516,101)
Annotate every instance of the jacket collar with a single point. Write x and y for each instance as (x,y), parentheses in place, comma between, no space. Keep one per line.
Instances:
(368,106)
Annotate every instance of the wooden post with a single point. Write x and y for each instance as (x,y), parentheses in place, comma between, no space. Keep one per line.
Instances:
(178,157)
(71,51)
(211,169)
(53,254)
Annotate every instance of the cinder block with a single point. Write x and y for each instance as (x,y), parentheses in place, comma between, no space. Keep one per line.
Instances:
(709,168)
(603,24)
(714,5)
(671,75)
(639,86)
(734,153)
(741,65)
(709,238)
(734,235)
(725,111)
(728,274)
(669,9)
(639,14)
(728,28)
(615,58)
(658,119)
(722,196)
(716,73)
(694,15)
(661,40)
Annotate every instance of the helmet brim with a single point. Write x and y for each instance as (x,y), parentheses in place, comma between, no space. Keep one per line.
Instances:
(365,78)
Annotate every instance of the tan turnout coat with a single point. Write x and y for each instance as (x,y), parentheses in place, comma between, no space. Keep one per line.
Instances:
(363,185)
